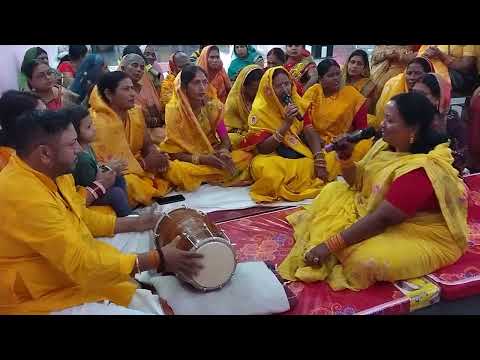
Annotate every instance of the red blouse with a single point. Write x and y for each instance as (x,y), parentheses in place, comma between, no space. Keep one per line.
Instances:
(412,193)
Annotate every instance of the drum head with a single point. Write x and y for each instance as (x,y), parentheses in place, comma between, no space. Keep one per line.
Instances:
(219,265)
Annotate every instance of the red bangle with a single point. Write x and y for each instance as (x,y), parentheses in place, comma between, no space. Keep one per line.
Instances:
(101,187)
(335,243)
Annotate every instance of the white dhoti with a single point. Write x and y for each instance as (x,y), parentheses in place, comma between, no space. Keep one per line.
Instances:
(143,303)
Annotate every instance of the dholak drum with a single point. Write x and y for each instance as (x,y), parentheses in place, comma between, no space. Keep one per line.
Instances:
(200,235)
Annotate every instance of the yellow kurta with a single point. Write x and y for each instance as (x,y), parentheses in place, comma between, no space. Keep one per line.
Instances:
(416,247)
(188,133)
(276,177)
(125,140)
(49,260)
(5,154)
(237,108)
(394,86)
(333,116)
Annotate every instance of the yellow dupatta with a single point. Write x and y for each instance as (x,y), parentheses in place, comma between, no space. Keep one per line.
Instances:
(380,167)
(438,65)
(186,133)
(114,139)
(333,115)
(236,108)
(268,113)
(436,239)
(394,86)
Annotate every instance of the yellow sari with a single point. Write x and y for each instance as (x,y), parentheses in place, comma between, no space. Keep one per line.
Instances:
(439,67)
(277,177)
(237,108)
(5,154)
(187,133)
(125,140)
(333,116)
(416,247)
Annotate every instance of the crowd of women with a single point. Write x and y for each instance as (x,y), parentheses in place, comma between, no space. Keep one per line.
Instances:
(399,210)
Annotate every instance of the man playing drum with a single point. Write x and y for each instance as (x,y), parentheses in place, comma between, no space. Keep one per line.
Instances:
(49,260)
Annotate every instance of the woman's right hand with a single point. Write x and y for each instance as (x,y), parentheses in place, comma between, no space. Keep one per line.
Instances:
(344,148)
(216,162)
(106,178)
(291,112)
(156,161)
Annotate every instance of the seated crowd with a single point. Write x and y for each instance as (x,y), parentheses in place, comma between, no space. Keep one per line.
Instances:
(92,146)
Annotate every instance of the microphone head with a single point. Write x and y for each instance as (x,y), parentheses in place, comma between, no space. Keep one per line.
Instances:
(287,99)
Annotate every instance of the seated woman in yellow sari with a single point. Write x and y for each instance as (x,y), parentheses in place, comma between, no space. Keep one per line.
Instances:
(401,213)
(239,102)
(399,84)
(289,164)
(178,60)
(356,72)
(146,96)
(209,60)
(196,137)
(121,133)
(336,109)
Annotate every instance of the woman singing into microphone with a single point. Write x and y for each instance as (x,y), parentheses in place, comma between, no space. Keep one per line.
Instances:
(401,212)
(289,164)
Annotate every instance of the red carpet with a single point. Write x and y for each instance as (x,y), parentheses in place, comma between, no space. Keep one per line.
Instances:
(462,279)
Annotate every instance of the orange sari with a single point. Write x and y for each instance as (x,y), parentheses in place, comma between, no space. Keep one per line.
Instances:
(219,79)
(115,138)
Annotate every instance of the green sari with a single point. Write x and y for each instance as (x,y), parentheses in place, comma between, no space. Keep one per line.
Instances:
(238,64)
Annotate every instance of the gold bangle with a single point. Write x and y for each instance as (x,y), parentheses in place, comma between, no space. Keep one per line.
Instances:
(196,159)
(335,243)
(318,153)
(277,136)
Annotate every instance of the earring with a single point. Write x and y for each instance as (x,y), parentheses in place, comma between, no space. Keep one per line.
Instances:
(412,139)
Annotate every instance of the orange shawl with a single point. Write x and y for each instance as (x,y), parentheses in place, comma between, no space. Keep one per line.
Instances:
(219,79)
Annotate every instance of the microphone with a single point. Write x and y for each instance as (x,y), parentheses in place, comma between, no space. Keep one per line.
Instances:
(354,137)
(287,99)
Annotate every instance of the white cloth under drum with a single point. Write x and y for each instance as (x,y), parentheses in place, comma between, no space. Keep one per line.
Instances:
(143,303)
(253,290)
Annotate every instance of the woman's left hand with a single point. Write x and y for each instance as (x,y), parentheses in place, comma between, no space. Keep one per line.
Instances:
(317,255)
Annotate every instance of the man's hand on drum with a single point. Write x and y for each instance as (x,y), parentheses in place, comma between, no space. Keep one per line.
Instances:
(180,261)
(156,161)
